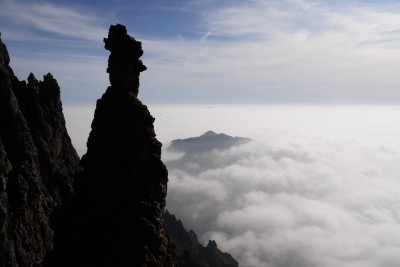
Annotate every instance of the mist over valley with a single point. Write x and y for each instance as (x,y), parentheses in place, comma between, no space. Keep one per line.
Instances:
(315,186)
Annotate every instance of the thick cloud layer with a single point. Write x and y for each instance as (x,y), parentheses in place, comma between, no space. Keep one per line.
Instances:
(320,186)
(326,193)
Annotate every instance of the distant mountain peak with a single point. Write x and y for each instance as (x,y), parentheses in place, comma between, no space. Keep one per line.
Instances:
(208,141)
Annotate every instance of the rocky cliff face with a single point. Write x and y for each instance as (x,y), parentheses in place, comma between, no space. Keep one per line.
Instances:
(117,215)
(190,252)
(37,164)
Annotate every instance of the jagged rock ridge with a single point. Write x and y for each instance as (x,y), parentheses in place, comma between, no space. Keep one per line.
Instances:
(37,164)
(190,252)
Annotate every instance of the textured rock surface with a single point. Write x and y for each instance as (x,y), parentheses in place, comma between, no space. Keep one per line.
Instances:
(37,164)
(190,252)
(116,218)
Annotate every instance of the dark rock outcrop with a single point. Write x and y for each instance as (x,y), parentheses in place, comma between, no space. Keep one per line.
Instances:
(37,164)
(190,252)
(116,218)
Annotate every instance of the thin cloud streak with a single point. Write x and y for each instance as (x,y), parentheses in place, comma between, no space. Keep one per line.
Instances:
(279,53)
(252,51)
(65,41)
(55,19)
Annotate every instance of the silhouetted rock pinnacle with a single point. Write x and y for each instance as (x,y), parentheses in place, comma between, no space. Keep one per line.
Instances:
(116,218)
(37,164)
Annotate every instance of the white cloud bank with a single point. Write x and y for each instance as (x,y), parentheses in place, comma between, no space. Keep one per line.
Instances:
(321,186)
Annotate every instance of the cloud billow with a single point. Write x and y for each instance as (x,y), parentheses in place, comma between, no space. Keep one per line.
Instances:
(318,186)
(334,205)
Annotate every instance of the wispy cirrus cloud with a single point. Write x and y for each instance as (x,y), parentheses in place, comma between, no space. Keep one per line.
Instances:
(63,21)
(65,40)
(237,51)
(301,51)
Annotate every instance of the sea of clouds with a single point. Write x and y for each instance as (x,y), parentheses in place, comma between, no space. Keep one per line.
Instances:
(319,186)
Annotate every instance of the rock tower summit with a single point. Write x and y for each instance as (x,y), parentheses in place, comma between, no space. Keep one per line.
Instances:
(124,65)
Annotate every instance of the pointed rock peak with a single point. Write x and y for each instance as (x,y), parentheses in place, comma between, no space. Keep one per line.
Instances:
(32,79)
(193,235)
(212,244)
(51,84)
(48,77)
(167,212)
(33,84)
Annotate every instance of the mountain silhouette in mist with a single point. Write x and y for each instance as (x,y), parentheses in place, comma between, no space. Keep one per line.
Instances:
(207,142)
(195,151)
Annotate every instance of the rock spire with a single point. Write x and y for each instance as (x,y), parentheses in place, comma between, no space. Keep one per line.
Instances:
(116,218)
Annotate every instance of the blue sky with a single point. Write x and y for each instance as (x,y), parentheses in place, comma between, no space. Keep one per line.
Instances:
(249,51)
